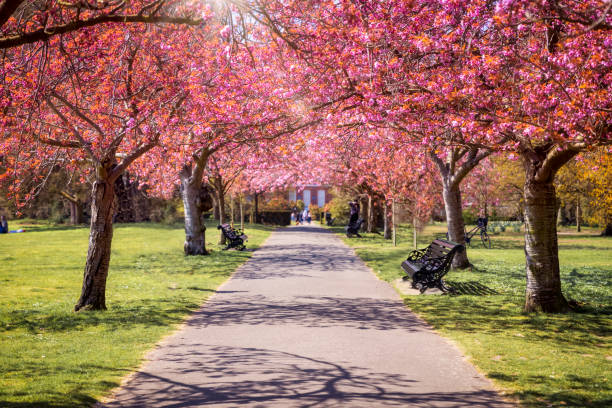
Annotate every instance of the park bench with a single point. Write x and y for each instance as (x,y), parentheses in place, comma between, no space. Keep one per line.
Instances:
(426,267)
(353,228)
(235,238)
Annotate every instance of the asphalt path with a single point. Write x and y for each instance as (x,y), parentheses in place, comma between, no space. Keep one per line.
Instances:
(304,323)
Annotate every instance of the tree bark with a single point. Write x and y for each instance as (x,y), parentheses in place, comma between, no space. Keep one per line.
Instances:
(241,212)
(93,292)
(195,229)
(578,214)
(454,220)
(543,292)
(76,212)
(387,221)
(607,232)
(194,202)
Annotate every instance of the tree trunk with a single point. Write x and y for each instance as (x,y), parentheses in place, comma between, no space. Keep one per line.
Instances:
(93,292)
(256,209)
(607,232)
(393,223)
(195,229)
(387,221)
(414,232)
(543,291)
(76,212)
(222,215)
(578,214)
(241,212)
(454,220)
(216,209)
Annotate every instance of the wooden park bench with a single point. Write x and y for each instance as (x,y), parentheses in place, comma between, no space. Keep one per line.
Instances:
(235,238)
(426,267)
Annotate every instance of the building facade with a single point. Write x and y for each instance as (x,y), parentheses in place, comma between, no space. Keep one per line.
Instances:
(311,195)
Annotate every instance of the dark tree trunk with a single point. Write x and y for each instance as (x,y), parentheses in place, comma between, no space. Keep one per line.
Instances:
(76,212)
(607,232)
(543,291)
(387,229)
(215,209)
(222,215)
(578,215)
(93,293)
(195,229)
(256,208)
(454,220)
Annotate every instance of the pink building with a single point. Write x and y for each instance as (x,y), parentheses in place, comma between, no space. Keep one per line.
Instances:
(312,194)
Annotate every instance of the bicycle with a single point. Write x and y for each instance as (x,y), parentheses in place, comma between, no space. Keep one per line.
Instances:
(481,227)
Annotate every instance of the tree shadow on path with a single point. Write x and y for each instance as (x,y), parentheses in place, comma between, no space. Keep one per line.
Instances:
(227,376)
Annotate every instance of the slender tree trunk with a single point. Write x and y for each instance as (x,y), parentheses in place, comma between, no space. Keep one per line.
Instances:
(543,291)
(369,214)
(387,221)
(232,210)
(393,222)
(241,212)
(578,214)
(454,220)
(559,213)
(222,215)
(256,209)
(414,232)
(93,292)
(216,209)
(195,229)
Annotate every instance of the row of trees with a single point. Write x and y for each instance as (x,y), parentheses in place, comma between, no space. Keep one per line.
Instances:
(382,95)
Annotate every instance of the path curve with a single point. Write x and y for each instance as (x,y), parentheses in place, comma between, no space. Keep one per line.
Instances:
(304,323)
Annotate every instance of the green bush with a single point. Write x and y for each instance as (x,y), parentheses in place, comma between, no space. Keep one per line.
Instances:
(469,216)
(339,209)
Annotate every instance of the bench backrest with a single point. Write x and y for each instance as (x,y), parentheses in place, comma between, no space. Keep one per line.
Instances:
(228,231)
(441,248)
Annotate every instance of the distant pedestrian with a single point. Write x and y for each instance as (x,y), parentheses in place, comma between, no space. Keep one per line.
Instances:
(309,217)
(298,220)
(3,225)
(293,217)
(305,215)
(354,213)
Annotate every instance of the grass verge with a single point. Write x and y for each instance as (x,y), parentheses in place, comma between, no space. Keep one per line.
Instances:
(52,357)
(542,360)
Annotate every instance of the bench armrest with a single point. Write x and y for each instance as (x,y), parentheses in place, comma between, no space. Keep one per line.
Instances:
(416,254)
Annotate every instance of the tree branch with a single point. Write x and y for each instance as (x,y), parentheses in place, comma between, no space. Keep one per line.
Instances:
(45,33)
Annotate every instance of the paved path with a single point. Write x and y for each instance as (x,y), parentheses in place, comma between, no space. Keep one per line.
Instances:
(305,323)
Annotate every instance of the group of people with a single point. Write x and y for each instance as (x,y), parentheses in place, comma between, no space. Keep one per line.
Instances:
(301,217)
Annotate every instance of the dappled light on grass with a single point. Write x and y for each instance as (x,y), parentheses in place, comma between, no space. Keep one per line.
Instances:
(53,357)
(544,360)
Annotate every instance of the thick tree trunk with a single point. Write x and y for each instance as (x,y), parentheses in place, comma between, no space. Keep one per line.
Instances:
(454,220)
(387,221)
(93,292)
(607,232)
(543,291)
(195,229)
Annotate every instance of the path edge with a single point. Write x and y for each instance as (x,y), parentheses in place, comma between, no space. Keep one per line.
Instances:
(111,396)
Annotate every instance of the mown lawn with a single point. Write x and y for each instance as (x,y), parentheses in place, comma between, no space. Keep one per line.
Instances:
(53,357)
(542,360)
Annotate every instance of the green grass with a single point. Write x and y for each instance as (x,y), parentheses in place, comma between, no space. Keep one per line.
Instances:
(541,360)
(53,357)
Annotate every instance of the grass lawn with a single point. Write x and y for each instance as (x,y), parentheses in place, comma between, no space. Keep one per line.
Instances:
(53,357)
(542,360)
